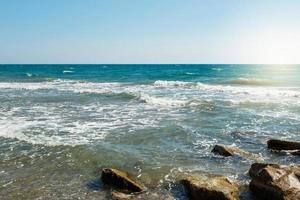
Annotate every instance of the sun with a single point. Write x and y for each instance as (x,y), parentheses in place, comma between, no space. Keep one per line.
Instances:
(278,47)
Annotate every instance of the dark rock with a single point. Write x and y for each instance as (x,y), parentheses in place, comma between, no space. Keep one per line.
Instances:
(296,153)
(283,145)
(276,182)
(210,188)
(119,179)
(231,151)
(223,150)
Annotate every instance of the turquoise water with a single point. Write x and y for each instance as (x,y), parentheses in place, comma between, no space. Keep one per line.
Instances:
(59,124)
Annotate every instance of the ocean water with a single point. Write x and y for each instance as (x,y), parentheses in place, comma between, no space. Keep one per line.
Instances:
(60,124)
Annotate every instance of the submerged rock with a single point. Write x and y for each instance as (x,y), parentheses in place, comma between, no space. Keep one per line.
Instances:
(231,151)
(283,145)
(210,188)
(243,134)
(121,196)
(121,180)
(150,195)
(224,150)
(276,182)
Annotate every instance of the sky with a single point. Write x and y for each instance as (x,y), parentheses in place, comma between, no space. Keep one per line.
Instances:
(150,31)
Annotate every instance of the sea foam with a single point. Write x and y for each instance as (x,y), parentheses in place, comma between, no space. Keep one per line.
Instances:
(172,91)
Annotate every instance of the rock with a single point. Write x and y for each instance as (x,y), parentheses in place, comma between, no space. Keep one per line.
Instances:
(296,153)
(231,151)
(149,195)
(246,136)
(210,188)
(121,196)
(119,179)
(276,182)
(223,150)
(283,145)
(243,134)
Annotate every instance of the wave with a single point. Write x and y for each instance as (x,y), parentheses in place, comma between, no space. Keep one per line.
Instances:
(31,75)
(248,81)
(169,93)
(183,84)
(233,94)
(67,71)
(29,131)
(59,84)
(217,69)
(160,83)
(53,126)
(162,101)
(147,105)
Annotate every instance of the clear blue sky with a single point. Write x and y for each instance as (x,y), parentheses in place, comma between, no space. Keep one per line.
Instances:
(149,31)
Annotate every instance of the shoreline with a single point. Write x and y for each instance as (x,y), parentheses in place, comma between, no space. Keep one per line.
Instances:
(207,186)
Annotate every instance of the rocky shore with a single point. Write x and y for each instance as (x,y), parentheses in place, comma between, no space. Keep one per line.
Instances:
(269,181)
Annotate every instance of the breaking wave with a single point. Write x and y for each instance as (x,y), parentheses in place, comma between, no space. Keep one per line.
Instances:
(248,81)
(137,107)
(169,93)
(67,71)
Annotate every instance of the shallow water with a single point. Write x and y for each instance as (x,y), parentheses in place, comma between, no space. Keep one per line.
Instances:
(60,124)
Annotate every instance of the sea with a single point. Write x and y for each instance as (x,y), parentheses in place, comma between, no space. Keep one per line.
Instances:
(61,124)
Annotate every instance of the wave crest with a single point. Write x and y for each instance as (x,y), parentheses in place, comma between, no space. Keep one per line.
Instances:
(169,93)
(249,81)
(183,84)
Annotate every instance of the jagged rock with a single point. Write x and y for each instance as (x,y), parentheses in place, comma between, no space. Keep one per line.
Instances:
(119,179)
(276,182)
(231,151)
(208,187)
(283,145)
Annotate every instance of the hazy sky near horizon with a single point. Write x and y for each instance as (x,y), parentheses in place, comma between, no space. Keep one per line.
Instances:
(150,31)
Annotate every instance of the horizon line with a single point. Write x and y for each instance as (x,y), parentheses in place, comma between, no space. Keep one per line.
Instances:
(149,63)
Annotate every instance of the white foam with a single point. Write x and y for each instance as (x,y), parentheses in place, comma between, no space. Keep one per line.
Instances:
(68,71)
(172,92)
(217,69)
(52,126)
(166,84)
(251,81)
(189,73)
(59,124)
(162,101)
(175,91)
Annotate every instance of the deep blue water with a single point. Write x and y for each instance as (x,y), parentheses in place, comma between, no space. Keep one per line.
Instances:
(63,122)
(276,74)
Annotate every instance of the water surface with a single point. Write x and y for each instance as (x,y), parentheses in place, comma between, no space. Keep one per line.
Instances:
(59,124)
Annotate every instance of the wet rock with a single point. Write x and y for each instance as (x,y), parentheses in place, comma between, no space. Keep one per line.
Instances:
(296,153)
(246,137)
(209,187)
(223,150)
(121,196)
(150,195)
(276,182)
(231,151)
(243,134)
(283,145)
(121,180)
